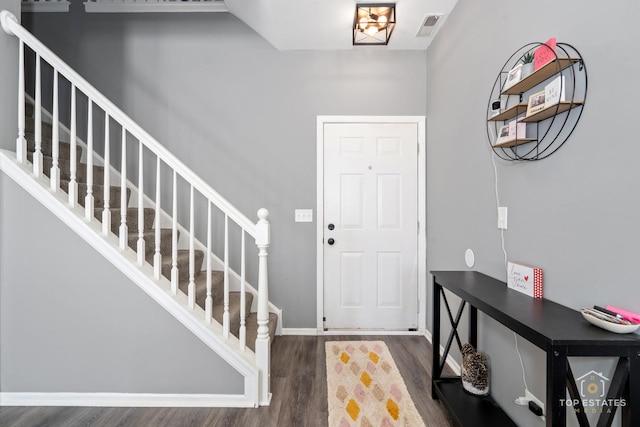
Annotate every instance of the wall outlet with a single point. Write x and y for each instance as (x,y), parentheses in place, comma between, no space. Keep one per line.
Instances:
(304,215)
(529,396)
(502,218)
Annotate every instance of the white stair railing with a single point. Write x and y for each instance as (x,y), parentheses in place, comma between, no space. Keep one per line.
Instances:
(134,139)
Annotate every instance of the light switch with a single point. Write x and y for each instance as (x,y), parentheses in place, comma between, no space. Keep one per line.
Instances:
(304,215)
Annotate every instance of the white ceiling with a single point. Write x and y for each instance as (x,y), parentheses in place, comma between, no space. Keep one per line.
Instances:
(327,24)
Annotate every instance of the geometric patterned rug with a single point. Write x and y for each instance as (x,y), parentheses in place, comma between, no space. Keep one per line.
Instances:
(365,388)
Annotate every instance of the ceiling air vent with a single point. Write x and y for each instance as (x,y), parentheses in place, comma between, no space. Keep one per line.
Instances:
(429,24)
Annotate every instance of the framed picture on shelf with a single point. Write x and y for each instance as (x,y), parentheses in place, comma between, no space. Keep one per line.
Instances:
(513,76)
(554,92)
(512,131)
(503,134)
(536,103)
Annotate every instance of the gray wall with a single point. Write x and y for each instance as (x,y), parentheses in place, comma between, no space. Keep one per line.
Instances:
(71,322)
(8,81)
(239,113)
(575,213)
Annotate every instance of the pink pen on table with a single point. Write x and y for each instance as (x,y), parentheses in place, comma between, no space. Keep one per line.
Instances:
(633,317)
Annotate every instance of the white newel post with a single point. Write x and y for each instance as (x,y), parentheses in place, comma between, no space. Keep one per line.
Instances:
(263,345)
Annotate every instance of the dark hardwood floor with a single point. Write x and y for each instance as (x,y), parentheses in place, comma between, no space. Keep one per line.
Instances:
(298,384)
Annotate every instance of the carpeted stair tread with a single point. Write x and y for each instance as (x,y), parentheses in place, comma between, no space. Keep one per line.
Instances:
(234,311)
(132,218)
(149,237)
(98,194)
(252,328)
(64,148)
(65,169)
(182,264)
(217,295)
(30,127)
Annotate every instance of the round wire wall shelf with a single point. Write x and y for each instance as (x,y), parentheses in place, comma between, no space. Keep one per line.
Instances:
(531,114)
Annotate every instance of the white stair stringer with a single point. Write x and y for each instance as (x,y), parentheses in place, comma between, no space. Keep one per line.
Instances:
(160,290)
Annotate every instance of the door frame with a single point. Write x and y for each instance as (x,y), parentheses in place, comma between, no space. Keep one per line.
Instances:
(420,121)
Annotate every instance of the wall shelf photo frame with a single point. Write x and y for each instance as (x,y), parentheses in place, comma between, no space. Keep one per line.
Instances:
(562,77)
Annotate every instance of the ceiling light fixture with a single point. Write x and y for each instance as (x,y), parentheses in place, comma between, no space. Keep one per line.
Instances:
(373,23)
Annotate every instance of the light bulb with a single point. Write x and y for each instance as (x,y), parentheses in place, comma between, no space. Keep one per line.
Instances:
(372,31)
(363,23)
(382,21)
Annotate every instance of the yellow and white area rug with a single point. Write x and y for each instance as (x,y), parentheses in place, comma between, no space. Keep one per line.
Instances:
(365,388)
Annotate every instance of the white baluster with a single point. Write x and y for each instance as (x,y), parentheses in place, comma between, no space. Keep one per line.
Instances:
(208,304)
(106,212)
(73,181)
(191,290)
(141,242)
(54,174)
(157,257)
(174,237)
(243,303)
(263,346)
(88,200)
(225,314)
(21,142)
(124,230)
(37,154)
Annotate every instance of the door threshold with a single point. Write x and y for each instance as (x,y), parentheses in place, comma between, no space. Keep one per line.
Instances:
(370,332)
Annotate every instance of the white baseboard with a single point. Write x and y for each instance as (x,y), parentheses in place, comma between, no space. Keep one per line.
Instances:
(380,332)
(300,331)
(125,400)
(455,366)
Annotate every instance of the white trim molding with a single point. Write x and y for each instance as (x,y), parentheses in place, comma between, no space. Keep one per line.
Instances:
(126,400)
(420,121)
(310,332)
(455,366)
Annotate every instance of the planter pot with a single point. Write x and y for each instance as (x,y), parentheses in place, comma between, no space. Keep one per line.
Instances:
(526,70)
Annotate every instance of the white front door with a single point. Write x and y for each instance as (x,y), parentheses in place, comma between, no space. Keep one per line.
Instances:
(370,223)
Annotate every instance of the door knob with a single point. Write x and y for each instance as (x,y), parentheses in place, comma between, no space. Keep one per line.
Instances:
(331,241)
(331,226)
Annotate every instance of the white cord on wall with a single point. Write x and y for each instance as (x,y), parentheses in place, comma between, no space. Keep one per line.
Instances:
(504,251)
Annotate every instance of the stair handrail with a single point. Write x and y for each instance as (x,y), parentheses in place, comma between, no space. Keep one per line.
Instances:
(11,26)
(260,231)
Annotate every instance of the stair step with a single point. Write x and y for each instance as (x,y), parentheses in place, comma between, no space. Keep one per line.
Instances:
(132,217)
(217,295)
(182,264)
(64,148)
(65,169)
(150,242)
(98,194)
(30,127)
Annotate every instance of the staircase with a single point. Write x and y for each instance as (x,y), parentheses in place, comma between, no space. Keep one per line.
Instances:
(213,291)
(166,249)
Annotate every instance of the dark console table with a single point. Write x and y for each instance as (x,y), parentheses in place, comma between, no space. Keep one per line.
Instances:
(558,330)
